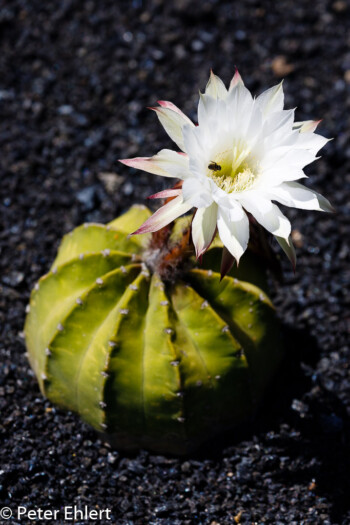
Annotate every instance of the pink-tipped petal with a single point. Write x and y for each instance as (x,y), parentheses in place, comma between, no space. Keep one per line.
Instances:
(307,125)
(172,120)
(237,79)
(215,87)
(165,194)
(166,163)
(310,126)
(170,105)
(145,164)
(166,214)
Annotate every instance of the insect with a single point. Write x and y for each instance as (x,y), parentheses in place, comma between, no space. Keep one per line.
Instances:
(214,166)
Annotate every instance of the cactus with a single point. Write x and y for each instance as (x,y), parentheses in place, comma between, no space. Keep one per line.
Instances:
(152,360)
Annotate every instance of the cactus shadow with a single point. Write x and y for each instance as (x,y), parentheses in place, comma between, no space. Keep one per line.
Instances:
(291,381)
(321,450)
(317,427)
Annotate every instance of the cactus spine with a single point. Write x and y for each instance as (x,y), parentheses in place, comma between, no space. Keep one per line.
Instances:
(152,363)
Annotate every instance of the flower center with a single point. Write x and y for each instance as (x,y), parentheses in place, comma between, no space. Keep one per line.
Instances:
(233,170)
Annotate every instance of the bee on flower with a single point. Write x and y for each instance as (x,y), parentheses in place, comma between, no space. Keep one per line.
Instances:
(245,155)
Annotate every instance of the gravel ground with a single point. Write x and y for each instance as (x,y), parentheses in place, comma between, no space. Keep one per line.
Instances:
(75,79)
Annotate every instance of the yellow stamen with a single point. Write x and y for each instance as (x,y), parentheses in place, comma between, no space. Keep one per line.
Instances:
(238,171)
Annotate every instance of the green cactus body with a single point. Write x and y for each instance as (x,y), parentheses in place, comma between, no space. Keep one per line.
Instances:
(161,364)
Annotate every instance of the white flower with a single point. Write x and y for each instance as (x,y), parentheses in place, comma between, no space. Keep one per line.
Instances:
(245,153)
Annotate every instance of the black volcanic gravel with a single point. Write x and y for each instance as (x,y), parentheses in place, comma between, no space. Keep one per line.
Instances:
(75,79)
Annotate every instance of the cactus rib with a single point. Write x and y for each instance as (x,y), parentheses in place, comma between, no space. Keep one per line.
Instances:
(151,361)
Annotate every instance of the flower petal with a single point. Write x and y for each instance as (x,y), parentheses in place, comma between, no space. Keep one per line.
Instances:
(166,214)
(197,191)
(170,105)
(173,120)
(271,100)
(295,195)
(237,79)
(266,213)
(238,99)
(234,234)
(278,124)
(311,141)
(306,125)
(196,141)
(165,194)
(239,107)
(283,164)
(215,87)
(207,110)
(288,248)
(276,176)
(166,163)
(204,228)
